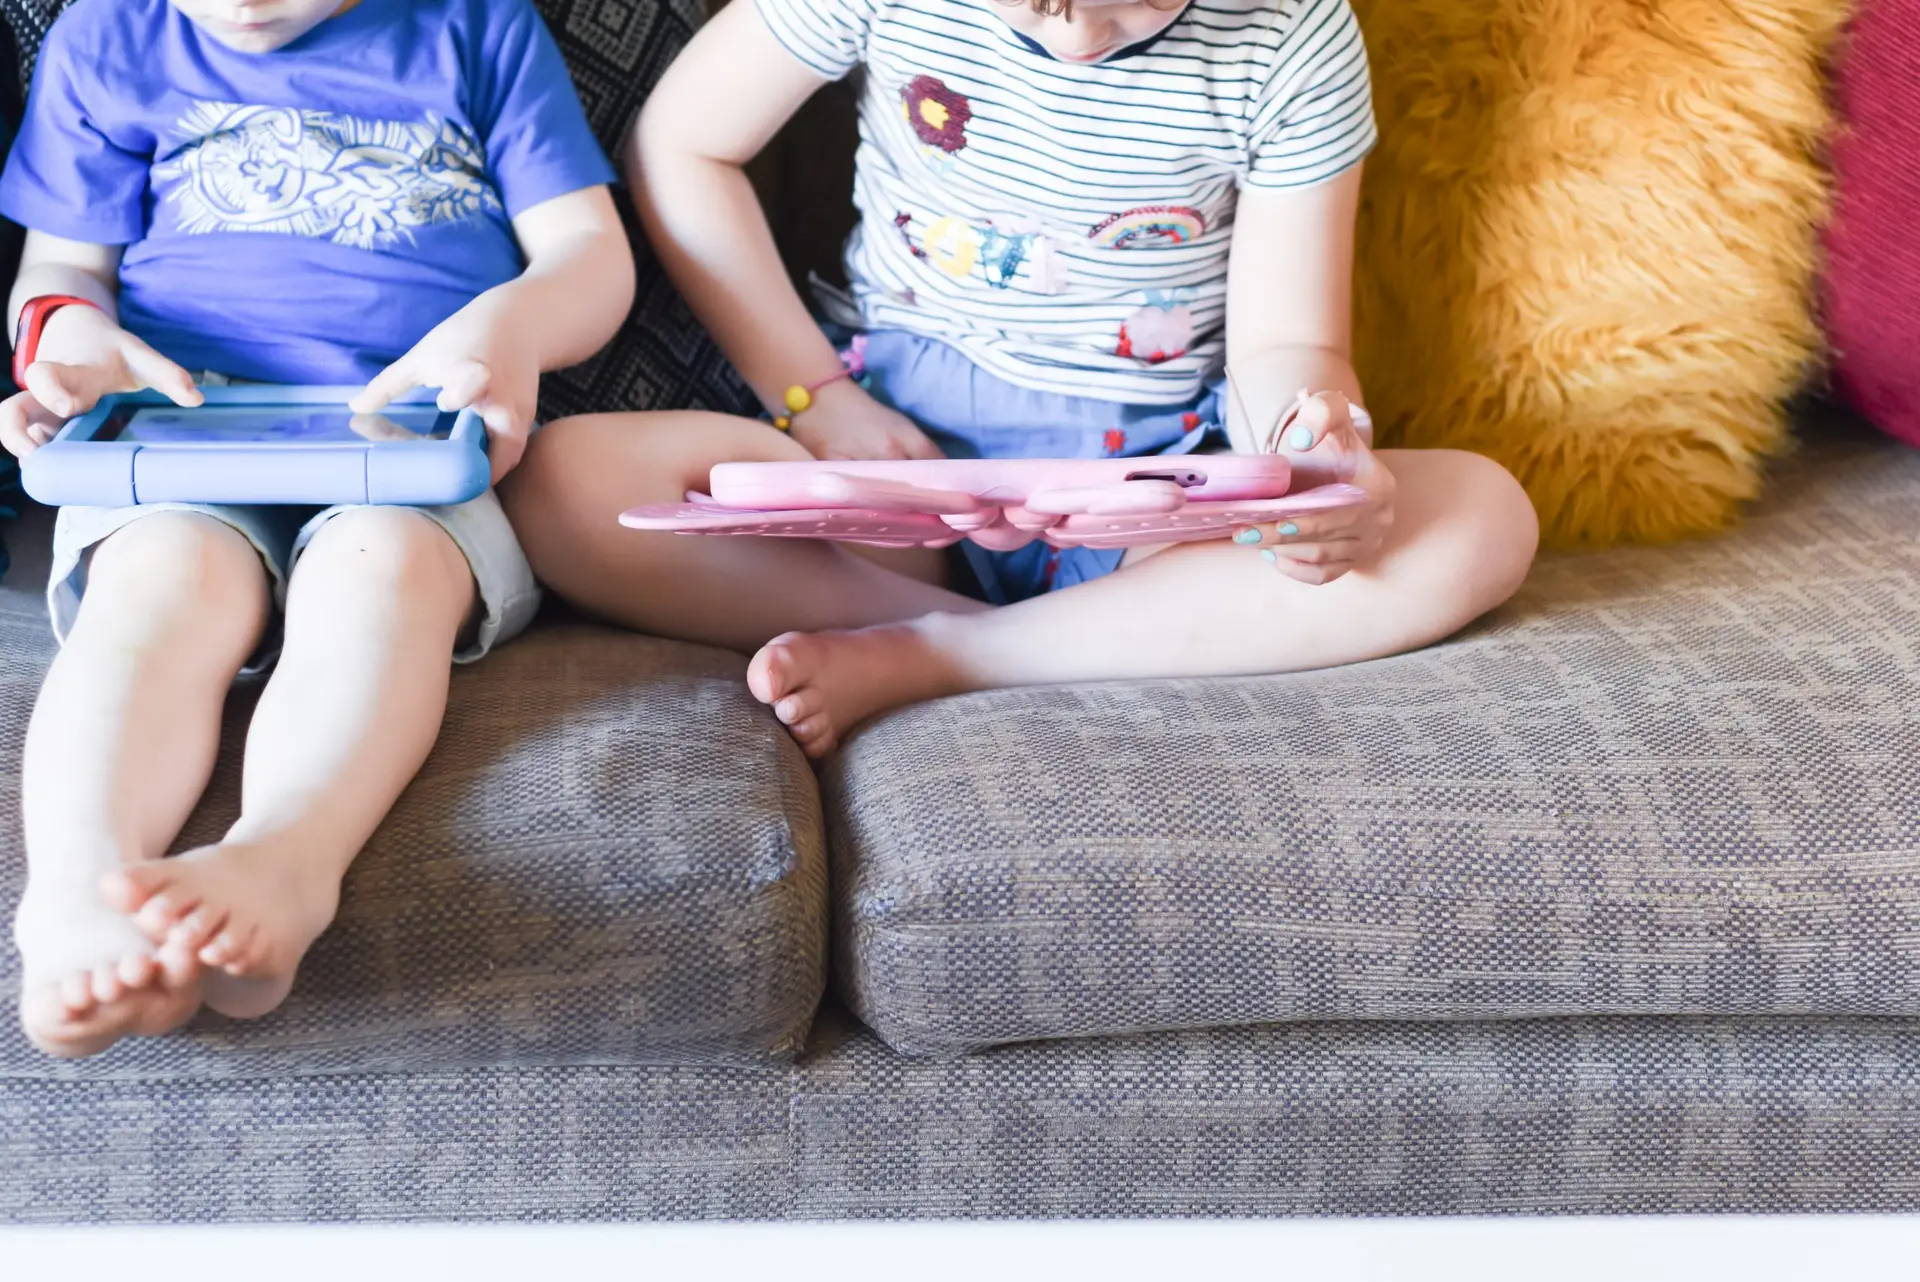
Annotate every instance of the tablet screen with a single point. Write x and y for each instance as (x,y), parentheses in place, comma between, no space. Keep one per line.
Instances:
(248,424)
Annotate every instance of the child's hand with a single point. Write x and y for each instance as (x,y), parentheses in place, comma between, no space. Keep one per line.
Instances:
(1325,448)
(475,360)
(84,356)
(844,422)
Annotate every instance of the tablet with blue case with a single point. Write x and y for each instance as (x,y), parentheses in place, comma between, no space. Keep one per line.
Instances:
(262,444)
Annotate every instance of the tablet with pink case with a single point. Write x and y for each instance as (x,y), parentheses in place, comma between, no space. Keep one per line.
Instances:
(1000,504)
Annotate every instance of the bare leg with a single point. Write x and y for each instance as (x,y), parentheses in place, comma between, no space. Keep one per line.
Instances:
(374,608)
(1462,542)
(120,747)
(580,474)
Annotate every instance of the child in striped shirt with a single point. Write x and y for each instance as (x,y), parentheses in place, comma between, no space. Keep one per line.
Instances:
(1073,214)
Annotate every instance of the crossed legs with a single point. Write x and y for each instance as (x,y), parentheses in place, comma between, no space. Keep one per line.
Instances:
(838,637)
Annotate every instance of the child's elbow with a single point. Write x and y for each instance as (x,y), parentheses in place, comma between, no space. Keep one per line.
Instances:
(605,263)
(645,142)
(623,281)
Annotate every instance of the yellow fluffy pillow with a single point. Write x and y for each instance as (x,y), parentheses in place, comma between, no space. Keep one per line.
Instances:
(1587,245)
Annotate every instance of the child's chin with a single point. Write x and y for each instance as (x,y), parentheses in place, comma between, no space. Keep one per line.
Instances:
(240,41)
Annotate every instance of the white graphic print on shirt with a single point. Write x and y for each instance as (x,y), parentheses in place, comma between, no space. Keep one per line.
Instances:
(364,183)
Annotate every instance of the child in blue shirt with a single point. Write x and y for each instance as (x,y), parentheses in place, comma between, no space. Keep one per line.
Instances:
(398,193)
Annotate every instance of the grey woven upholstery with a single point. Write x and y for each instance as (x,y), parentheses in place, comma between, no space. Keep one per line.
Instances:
(613,856)
(1307,1119)
(1679,780)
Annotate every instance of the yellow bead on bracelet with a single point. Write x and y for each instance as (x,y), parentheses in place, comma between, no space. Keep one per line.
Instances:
(798,400)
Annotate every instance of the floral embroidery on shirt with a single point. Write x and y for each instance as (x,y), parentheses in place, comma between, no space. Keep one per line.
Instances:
(937,115)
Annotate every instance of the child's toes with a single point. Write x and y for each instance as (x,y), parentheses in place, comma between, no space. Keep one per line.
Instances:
(155,917)
(815,734)
(231,950)
(76,993)
(770,674)
(107,988)
(194,929)
(178,963)
(137,971)
(797,707)
(129,889)
(165,913)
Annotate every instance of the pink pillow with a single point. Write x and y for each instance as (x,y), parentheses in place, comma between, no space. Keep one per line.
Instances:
(1873,244)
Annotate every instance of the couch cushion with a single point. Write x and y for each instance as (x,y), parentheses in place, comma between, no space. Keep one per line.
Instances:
(1679,780)
(1633,1116)
(612,856)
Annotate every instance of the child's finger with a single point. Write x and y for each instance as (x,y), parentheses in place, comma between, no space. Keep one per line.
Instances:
(162,375)
(1316,528)
(1319,417)
(504,453)
(1321,442)
(1315,574)
(15,424)
(506,437)
(1317,553)
(65,390)
(464,384)
(395,381)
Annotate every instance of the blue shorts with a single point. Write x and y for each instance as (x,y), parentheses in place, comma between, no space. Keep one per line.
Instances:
(970,413)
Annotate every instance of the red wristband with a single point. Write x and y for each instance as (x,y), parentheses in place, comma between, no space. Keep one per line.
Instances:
(33,322)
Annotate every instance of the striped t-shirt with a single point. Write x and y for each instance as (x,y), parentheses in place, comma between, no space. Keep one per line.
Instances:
(1067,225)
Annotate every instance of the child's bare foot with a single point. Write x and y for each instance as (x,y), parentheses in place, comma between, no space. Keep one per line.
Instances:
(823,684)
(247,911)
(89,977)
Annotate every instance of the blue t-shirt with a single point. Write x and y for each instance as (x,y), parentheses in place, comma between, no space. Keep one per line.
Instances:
(306,215)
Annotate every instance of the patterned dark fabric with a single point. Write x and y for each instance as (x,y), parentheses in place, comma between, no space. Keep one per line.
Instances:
(27,22)
(1307,1119)
(613,856)
(1666,780)
(661,359)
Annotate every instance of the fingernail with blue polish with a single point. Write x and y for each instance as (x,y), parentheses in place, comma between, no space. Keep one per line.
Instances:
(1248,535)
(1269,556)
(1301,438)
(1287,529)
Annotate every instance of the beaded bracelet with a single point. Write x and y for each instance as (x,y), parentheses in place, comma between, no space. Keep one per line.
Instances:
(798,400)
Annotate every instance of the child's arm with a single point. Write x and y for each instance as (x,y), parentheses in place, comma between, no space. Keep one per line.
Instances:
(716,107)
(1289,327)
(1290,298)
(83,353)
(575,291)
